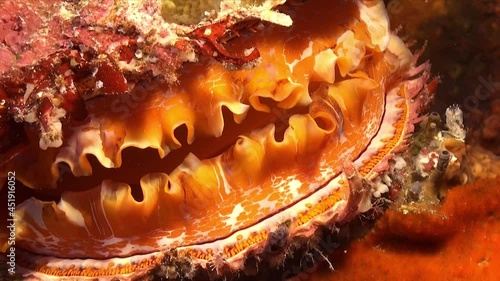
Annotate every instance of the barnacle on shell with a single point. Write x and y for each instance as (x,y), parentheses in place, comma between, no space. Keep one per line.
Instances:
(221,158)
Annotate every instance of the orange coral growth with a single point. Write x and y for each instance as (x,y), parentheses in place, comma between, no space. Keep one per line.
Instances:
(462,242)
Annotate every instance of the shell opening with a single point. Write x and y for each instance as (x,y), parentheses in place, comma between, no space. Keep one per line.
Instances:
(210,166)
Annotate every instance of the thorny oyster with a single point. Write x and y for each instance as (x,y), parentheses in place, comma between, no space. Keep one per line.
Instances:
(208,158)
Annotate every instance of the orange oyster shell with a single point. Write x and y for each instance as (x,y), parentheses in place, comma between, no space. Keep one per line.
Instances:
(240,151)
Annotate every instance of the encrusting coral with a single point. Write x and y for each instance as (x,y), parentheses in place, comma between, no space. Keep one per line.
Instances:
(459,241)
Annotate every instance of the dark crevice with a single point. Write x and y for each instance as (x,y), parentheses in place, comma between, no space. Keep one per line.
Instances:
(136,191)
(139,162)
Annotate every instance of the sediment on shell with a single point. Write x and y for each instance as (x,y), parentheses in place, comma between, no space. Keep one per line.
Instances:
(140,45)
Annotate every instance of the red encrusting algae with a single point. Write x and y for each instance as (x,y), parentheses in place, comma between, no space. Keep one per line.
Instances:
(458,241)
